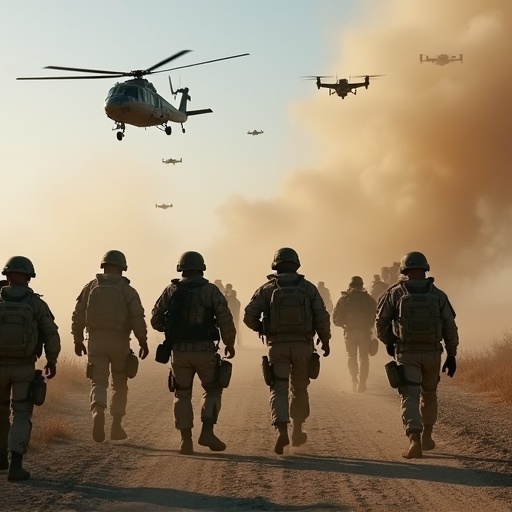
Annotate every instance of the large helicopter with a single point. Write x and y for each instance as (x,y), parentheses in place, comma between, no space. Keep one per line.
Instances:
(343,86)
(136,101)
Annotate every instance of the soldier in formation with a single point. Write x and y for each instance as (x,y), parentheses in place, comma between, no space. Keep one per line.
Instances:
(378,287)
(27,327)
(108,309)
(191,311)
(234,306)
(326,296)
(413,318)
(288,310)
(355,313)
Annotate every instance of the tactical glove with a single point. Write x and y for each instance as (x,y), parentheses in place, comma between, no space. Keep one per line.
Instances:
(390,349)
(450,366)
(326,348)
(50,370)
(229,352)
(80,348)
(143,350)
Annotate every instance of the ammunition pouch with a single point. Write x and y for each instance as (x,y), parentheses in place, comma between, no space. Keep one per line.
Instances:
(132,365)
(394,374)
(223,372)
(374,347)
(37,389)
(314,365)
(163,352)
(89,370)
(171,382)
(268,373)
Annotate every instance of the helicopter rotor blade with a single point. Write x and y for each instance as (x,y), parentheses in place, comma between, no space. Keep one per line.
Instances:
(165,61)
(201,63)
(82,70)
(69,77)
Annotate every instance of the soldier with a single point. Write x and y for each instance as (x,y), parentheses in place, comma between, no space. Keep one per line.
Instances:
(191,311)
(108,308)
(26,327)
(220,286)
(378,287)
(293,311)
(234,306)
(413,317)
(326,296)
(355,312)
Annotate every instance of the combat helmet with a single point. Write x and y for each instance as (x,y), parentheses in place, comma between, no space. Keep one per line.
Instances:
(114,258)
(190,260)
(414,260)
(285,254)
(19,264)
(356,282)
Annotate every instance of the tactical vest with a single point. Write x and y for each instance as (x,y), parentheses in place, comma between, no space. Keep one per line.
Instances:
(419,316)
(187,318)
(359,311)
(107,307)
(290,310)
(18,329)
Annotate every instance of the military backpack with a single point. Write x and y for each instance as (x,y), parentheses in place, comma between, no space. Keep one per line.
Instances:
(419,316)
(18,328)
(358,310)
(290,310)
(106,307)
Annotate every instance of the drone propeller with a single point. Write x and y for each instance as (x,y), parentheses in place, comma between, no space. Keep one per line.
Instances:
(316,77)
(369,76)
(138,73)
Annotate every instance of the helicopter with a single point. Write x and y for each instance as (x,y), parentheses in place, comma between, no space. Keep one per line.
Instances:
(255,132)
(441,60)
(343,86)
(172,161)
(136,102)
(164,206)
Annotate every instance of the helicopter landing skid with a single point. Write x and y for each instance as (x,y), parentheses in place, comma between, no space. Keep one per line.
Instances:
(121,127)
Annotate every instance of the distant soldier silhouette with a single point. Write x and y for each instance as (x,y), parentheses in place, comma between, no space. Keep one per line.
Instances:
(326,296)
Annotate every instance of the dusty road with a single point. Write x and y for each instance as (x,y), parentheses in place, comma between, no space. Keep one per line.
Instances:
(351,461)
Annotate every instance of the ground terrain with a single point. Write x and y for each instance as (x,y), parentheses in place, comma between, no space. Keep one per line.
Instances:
(351,461)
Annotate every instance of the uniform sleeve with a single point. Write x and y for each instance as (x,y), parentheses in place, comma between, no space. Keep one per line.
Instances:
(321,318)
(384,319)
(158,313)
(223,317)
(78,317)
(450,331)
(136,312)
(254,310)
(48,331)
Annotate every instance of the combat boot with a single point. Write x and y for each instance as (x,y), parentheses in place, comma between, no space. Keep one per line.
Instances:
(282,438)
(16,471)
(354,385)
(427,443)
(186,447)
(4,461)
(361,388)
(98,426)
(209,439)
(298,437)
(117,432)
(414,451)
(4,434)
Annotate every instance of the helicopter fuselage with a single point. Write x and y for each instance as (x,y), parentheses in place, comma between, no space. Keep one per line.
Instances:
(136,102)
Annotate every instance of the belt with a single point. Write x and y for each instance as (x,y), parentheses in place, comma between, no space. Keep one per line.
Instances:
(194,346)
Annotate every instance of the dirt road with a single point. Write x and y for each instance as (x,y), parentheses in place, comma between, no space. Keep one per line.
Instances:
(351,461)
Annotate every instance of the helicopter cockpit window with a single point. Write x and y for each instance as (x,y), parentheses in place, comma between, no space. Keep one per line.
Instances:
(132,92)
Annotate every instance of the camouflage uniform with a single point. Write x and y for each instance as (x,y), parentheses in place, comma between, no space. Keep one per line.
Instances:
(108,349)
(289,354)
(17,373)
(355,313)
(422,361)
(198,356)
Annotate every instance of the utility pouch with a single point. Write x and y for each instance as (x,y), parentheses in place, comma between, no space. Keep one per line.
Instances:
(89,370)
(223,372)
(314,365)
(394,373)
(37,389)
(171,382)
(163,353)
(374,347)
(268,373)
(132,365)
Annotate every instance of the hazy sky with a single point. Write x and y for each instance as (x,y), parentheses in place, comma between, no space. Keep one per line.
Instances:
(419,161)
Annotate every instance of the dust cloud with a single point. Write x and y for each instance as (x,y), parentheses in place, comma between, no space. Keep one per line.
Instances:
(419,161)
